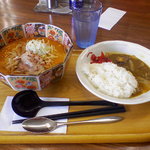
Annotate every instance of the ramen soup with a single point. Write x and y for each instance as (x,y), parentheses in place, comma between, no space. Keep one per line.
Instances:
(138,68)
(31,56)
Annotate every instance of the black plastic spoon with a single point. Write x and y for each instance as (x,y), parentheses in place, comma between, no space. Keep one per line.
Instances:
(27,103)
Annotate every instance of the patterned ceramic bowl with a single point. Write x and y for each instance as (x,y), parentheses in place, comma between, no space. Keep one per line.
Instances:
(24,82)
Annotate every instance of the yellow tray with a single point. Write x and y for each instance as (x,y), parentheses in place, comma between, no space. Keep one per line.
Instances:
(134,128)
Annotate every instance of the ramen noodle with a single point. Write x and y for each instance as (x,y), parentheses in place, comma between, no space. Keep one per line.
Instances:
(31,56)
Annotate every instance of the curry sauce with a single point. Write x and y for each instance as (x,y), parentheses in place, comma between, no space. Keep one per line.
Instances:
(138,68)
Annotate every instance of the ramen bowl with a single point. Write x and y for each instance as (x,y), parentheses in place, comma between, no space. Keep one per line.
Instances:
(121,47)
(33,30)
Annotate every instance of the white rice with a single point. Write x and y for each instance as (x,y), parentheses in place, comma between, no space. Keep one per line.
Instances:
(111,79)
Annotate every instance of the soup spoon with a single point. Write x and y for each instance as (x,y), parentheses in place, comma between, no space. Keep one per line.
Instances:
(27,103)
(45,125)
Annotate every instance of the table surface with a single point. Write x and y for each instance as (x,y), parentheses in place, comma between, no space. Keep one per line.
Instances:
(133,27)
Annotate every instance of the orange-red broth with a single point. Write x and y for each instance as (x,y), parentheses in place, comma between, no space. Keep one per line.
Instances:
(6,50)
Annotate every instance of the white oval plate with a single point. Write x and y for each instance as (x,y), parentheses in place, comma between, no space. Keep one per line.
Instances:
(114,46)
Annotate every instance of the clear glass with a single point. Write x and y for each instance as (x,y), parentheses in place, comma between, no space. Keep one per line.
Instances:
(85,23)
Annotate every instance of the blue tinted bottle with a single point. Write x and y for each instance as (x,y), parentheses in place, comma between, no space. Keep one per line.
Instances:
(75,3)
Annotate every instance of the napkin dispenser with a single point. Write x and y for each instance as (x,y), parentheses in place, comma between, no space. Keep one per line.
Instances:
(46,5)
(52,4)
(55,6)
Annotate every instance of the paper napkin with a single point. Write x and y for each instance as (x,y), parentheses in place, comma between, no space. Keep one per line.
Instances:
(7,115)
(110,17)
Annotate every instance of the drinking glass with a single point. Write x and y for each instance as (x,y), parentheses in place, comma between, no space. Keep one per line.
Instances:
(85,22)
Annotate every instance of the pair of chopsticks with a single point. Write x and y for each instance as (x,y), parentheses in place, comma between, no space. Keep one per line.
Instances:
(84,113)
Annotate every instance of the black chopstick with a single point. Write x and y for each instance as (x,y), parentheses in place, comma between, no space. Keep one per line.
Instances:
(74,103)
(83,113)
